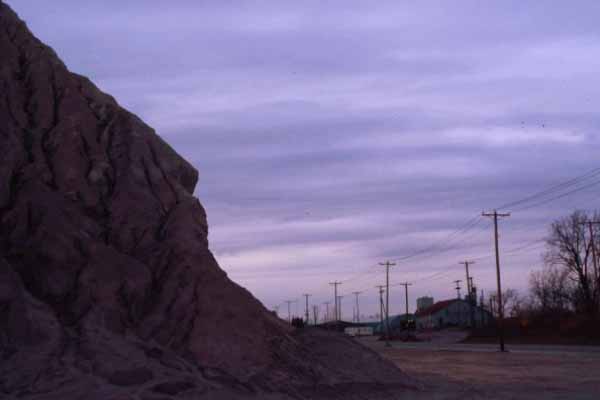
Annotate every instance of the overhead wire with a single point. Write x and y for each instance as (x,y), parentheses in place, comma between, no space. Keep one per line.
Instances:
(579,183)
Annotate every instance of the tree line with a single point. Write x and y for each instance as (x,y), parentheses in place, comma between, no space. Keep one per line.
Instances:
(569,281)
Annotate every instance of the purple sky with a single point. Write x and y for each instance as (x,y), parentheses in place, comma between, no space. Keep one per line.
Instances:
(331,136)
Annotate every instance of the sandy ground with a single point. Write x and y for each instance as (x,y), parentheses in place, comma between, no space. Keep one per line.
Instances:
(482,373)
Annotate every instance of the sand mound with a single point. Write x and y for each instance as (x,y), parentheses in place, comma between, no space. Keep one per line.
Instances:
(107,286)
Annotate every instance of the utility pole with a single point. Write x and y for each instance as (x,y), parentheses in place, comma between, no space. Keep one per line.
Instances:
(466,264)
(470,291)
(457,282)
(340,309)
(306,314)
(335,298)
(289,302)
(315,314)
(406,285)
(472,302)
(387,266)
(357,306)
(380,287)
(495,216)
(472,288)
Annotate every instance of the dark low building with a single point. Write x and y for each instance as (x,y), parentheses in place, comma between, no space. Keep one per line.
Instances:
(455,312)
(397,322)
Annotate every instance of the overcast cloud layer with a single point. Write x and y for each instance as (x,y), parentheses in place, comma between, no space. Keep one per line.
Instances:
(331,136)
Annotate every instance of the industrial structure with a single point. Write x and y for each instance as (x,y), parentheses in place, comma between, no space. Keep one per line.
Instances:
(454,312)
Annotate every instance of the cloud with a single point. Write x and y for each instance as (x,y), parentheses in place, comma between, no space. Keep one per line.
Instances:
(332,135)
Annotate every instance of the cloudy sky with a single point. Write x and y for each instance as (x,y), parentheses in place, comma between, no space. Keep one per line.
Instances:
(333,135)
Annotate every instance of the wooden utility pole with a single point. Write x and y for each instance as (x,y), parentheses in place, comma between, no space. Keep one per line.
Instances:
(306,314)
(472,297)
(340,315)
(457,282)
(466,264)
(406,285)
(472,288)
(357,307)
(380,287)
(473,302)
(335,299)
(387,266)
(495,216)
(316,314)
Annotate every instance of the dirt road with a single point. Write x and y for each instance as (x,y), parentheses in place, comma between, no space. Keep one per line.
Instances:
(483,374)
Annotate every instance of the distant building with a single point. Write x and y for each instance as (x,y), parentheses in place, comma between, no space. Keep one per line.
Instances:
(424,302)
(358,331)
(396,323)
(455,312)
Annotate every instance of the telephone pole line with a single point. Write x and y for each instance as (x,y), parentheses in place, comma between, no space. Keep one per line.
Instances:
(495,215)
(335,298)
(380,287)
(472,297)
(472,286)
(457,282)
(466,264)
(357,307)
(387,266)
(306,314)
(340,305)
(406,285)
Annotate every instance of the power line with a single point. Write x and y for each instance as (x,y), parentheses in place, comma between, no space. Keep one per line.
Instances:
(461,230)
(573,181)
(436,248)
(559,196)
(542,197)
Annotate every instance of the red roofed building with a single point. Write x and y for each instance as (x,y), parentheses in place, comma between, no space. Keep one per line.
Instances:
(455,312)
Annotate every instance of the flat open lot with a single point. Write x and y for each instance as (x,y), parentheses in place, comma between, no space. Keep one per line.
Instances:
(480,372)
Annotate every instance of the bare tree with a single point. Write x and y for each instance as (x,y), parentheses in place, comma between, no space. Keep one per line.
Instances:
(512,303)
(570,247)
(551,290)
